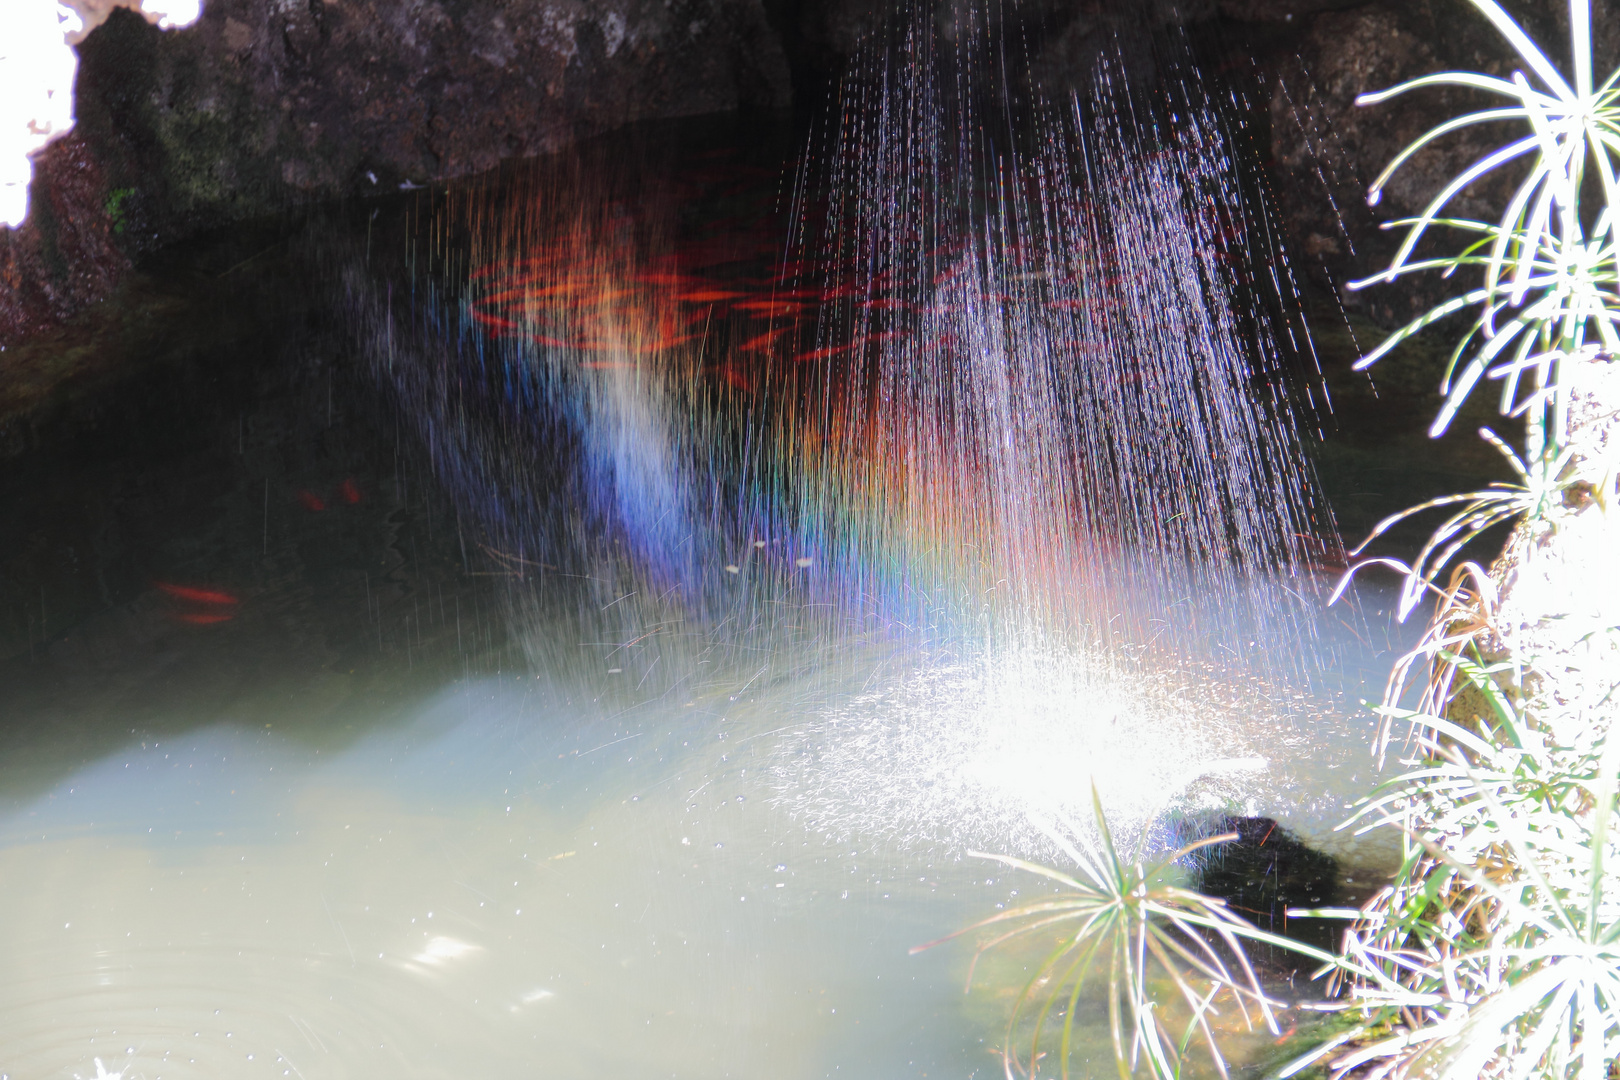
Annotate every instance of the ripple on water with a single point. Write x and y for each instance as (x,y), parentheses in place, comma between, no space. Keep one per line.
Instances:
(186,994)
(623,921)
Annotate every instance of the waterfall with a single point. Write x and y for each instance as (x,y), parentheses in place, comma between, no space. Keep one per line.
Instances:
(993,398)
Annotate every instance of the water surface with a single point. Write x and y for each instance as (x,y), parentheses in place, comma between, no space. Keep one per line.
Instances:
(304,775)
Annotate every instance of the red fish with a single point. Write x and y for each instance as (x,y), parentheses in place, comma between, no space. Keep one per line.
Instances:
(859,341)
(823,353)
(706,296)
(494,322)
(736,379)
(200,596)
(770,308)
(351,494)
(312,502)
(762,342)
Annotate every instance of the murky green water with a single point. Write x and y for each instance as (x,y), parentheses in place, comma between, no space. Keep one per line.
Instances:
(284,793)
(506,876)
(343,834)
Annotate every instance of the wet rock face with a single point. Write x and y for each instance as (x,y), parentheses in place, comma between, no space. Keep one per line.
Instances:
(263,104)
(263,100)
(66,254)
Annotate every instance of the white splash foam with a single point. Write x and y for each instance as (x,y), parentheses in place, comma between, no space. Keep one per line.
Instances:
(442,950)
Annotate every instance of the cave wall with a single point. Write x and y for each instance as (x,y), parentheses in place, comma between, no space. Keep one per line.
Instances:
(264,104)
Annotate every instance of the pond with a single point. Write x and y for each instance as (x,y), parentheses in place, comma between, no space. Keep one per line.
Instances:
(411,669)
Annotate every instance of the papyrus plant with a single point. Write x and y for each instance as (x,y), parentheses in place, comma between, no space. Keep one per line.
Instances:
(1540,283)
(1496,951)
(1166,959)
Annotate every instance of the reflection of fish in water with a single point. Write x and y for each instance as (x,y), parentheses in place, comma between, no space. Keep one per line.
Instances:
(314,503)
(215,601)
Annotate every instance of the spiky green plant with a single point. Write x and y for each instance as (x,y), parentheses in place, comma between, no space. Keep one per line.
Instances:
(1158,948)
(1546,301)
(1496,952)
(1541,481)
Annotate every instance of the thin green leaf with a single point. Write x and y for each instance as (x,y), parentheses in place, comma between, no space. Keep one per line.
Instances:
(1525,47)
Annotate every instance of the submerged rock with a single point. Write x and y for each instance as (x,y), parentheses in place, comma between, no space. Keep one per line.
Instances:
(1266,871)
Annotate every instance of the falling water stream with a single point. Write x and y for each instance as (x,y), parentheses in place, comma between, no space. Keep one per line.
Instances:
(592,643)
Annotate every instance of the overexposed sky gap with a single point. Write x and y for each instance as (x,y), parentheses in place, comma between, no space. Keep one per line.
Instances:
(37,65)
